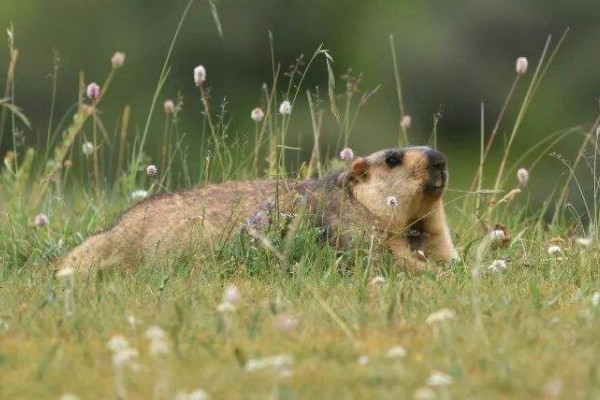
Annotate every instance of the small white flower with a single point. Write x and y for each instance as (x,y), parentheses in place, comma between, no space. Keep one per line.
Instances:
(284,323)
(584,241)
(132,321)
(347,155)
(521,65)
(392,201)
(285,108)
(231,294)
(596,299)
(169,106)
(151,170)
(522,177)
(257,114)
(442,315)
(199,75)
(69,396)
(552,250)
(117,60)
(225,307)
(438,378)
(93,91)
(497,266)
(378,281)
(159,347)
(363,360)
(155,333)
(88,148)
(65,272)
(497,235)
(118,343)
(406,122)
(424,393)
(137,195)
(125,357)
(41,220)
(396,352)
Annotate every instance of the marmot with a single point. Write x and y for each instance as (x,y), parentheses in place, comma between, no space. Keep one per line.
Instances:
(394,193)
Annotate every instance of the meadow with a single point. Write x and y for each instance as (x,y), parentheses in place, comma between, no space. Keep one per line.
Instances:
(284,317)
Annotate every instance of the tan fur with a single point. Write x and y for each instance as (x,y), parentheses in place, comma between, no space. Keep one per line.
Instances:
(350,205)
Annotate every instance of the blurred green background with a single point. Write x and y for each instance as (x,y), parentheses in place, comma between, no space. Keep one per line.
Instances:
(452,56)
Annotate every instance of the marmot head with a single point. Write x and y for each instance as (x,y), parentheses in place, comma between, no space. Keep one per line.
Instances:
(414,176)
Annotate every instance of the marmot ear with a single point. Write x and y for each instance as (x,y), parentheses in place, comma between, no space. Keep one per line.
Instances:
(359,168)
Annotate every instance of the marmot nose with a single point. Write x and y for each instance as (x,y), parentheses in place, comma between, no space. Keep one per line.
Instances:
(436,159)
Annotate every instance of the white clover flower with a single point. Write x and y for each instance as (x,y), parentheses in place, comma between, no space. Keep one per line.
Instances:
(392,201)
(155,333)
(118,343)
(41,220)
(284,323)
(442,315)
(363,360)
(438,379)
(88,148)
(151,170)
(497,235)
(497,266)
(596,299)
(522,177)
(125,357)
(117,60)
(225,307)
(424,393)
(396,352)
(199,75)
(69,396)
(65,272)
(169,106)
(137,195)
(93,91)
(584,241)
(257,114)
(347,155)
(406,122)
(521,65)
(285,108)
(378,281)
(554,249)
(231,294)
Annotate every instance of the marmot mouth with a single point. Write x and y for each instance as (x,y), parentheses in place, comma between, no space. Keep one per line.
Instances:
(434,190)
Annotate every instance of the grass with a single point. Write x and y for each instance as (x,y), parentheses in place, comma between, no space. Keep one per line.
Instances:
(528,332)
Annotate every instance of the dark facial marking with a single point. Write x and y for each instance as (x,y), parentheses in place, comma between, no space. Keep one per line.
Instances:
(393,159)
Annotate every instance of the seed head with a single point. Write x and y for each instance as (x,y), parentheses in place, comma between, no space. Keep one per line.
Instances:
(396,352)
(497,266)
(442,315)
(285,108)
(596,299)
(231,294)
(521,65)
(41,220)
(438,378)
(584,241)
(199,75)
(554,249)
(523,177)
(392,201)
(117,60)
(257,114)
(151,170)
(65,272)
(88,148)
(406,122)
(169,107)
(347,155)
(93,91)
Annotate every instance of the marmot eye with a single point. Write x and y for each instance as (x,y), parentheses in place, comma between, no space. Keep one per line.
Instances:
(393,160)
